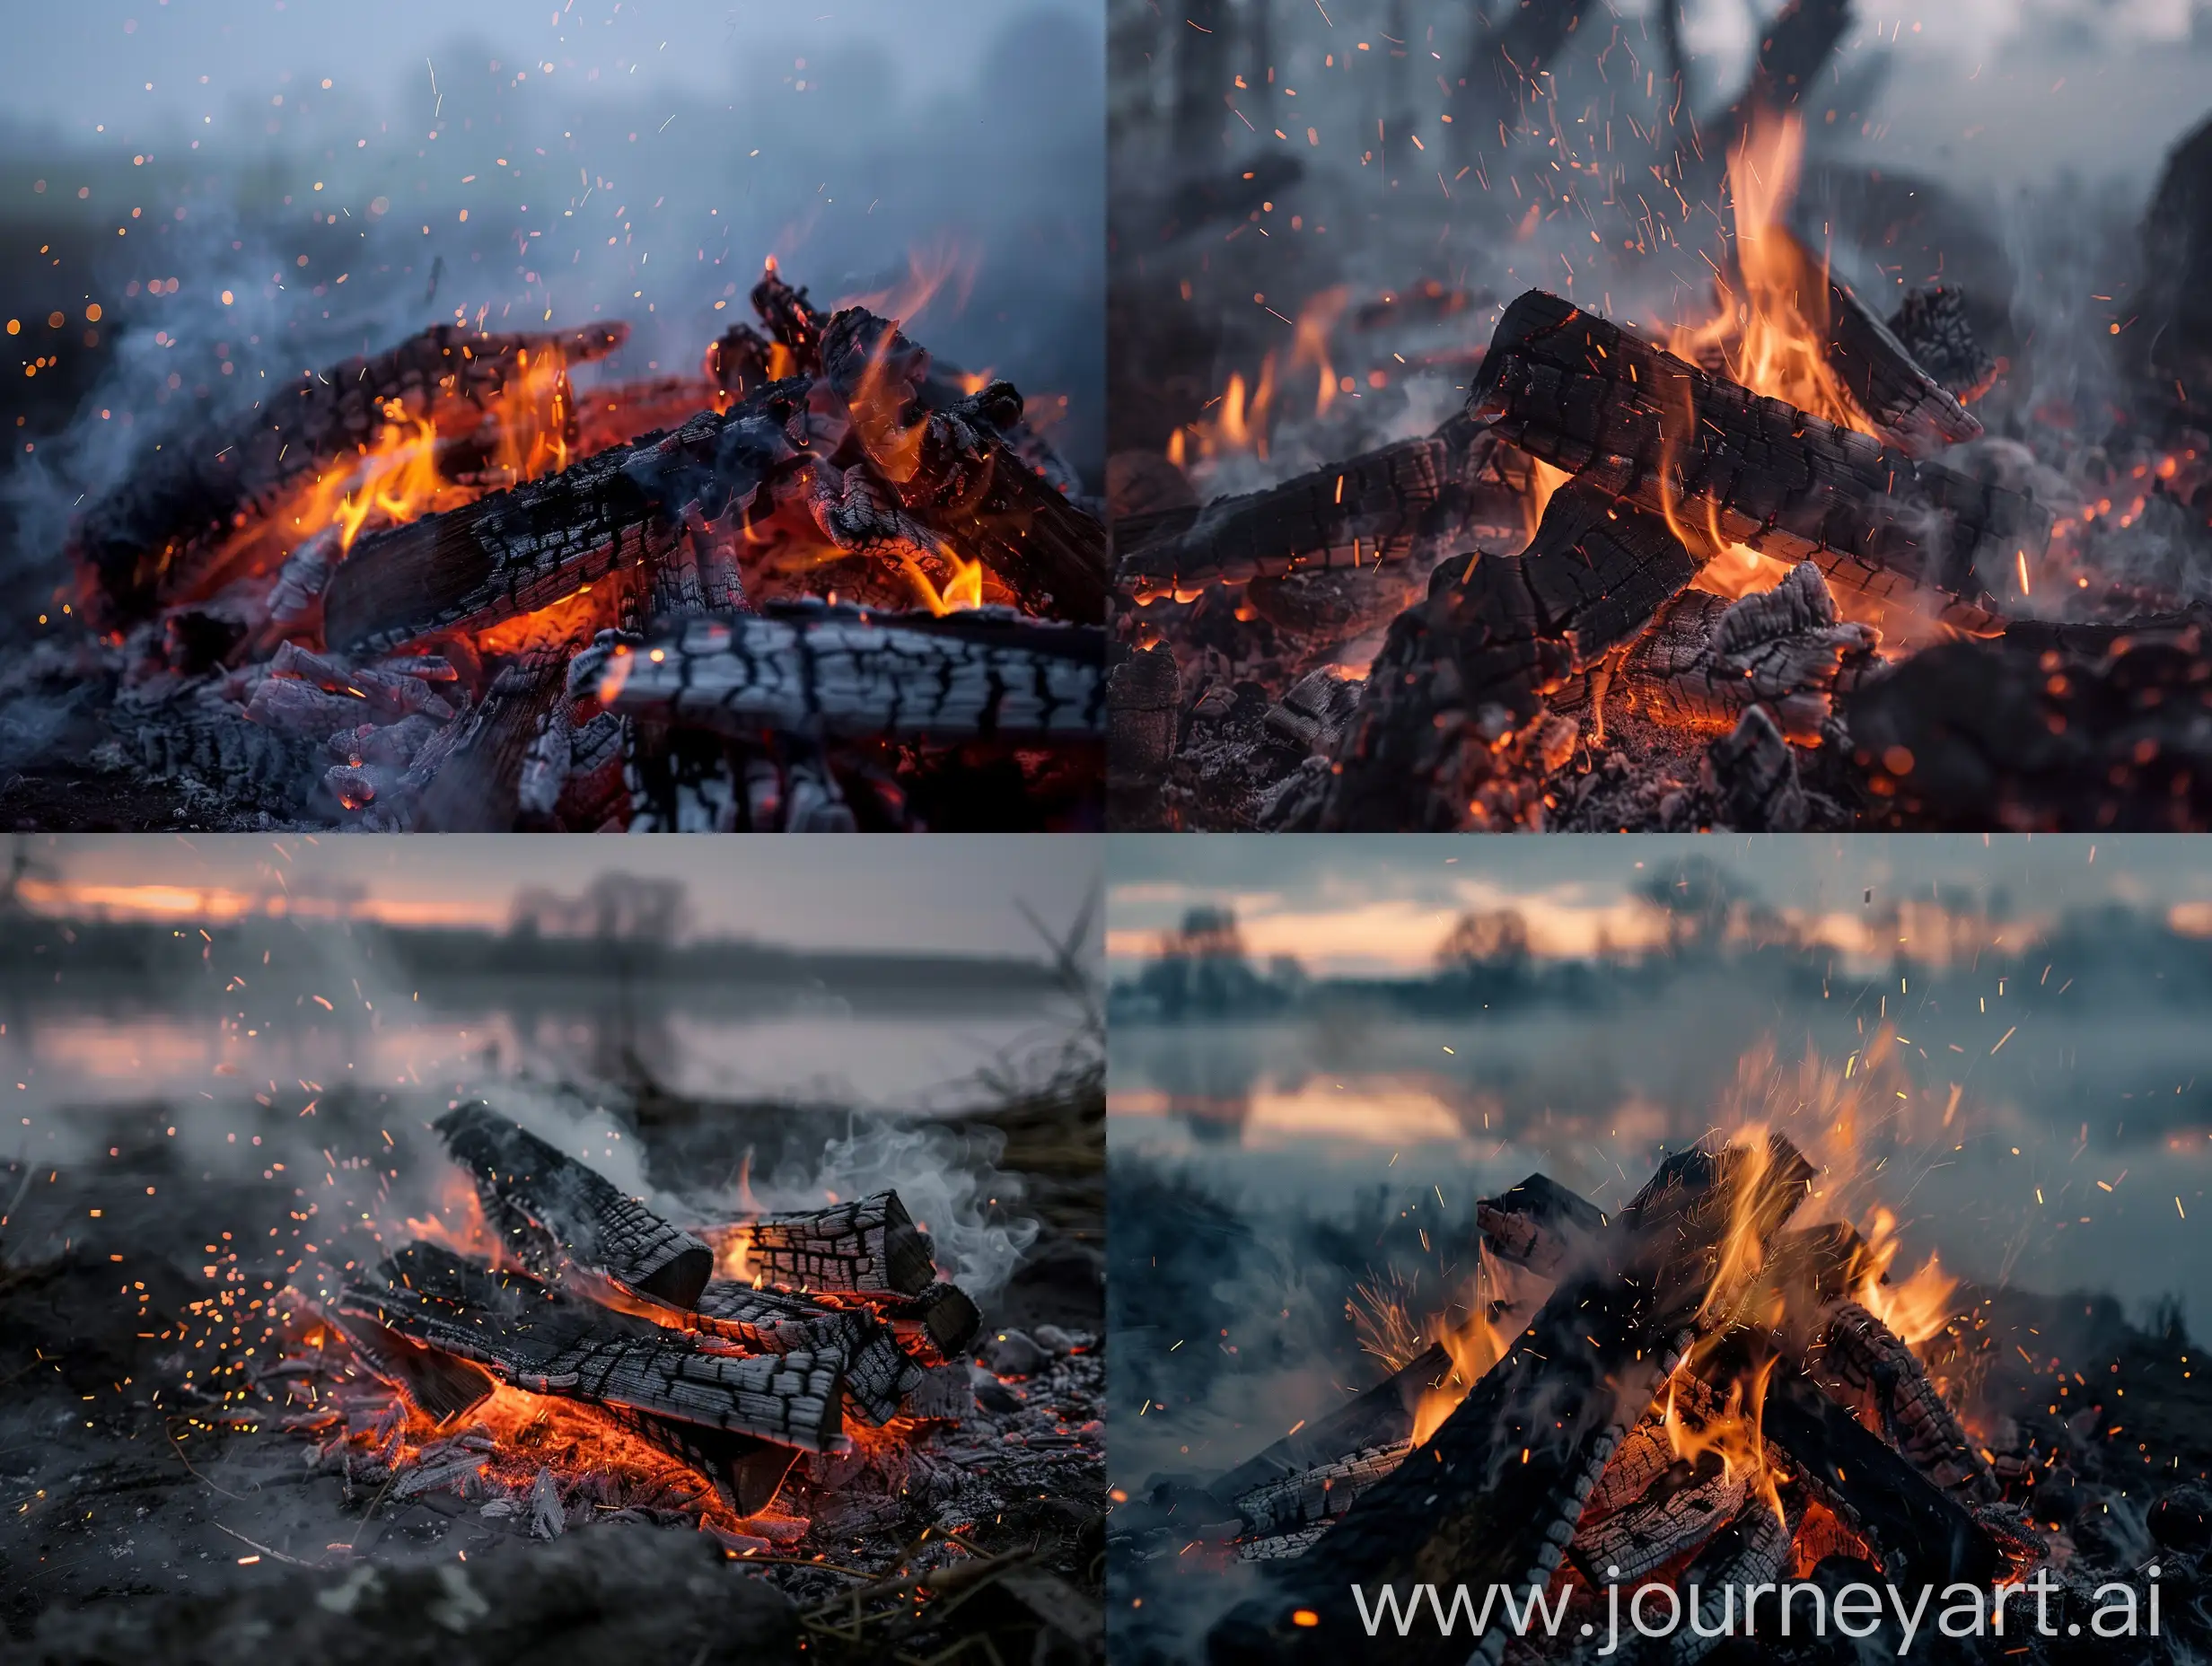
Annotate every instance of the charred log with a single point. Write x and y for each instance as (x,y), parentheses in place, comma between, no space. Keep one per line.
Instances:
(1910,407)
(1373,509)
(877,1376)
(515,551)
(868,1247)
(807,669)
(1863,1363)
(747,1472)
(532,1336)
(1933,325)
(155,541)
(1632,421)
(557,1213)
(1450,730)
(1515,1460)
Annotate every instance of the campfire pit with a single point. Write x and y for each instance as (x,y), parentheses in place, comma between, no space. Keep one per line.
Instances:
(825,583)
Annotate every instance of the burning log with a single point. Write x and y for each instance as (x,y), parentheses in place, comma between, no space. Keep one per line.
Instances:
(1637,423)
(1516,1459)
(436,1384)
(537,1338)
(1752,1549)
(556,1215)
(1677,1510)
(869,1247)
(158,540)
(516,551)
(809,670)
(1374,509)
(1863,1363)
(1450,730)
(746,1471)
(877,1375)
(1918,1532)
(1706,661)
(1908,406)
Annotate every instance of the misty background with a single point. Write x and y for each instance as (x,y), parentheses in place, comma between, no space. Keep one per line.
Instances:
(349,176)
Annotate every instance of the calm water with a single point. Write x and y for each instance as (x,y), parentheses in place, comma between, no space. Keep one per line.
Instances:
(2053,1144)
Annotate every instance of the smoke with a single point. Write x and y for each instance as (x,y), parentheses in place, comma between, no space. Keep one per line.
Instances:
(948,1178)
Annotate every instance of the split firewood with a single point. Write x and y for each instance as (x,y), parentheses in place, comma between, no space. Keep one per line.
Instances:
(1632,421)
(1317,711)
(1380,1418)
(1515,1460)
(942,1319)
(2031,739)
(1452,730)
(808,669)
(1907,404)
(878,1377)
(746,1471)
(1867,1365)
(515,551)
(1539,1224)
(556,1215)
(1681,1509)
(1932,325)
(1916,1531)
(867,1247)
(530,1335)
(1707,660)
(436,1383)
(1355,515)
(155,539)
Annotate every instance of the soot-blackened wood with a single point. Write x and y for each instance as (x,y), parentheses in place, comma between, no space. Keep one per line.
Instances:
(555,1213)
(1705,659)
(1933,326)
(150,541)
(1539,1224)
(1632,420)
(1863,1363)
(1380,1417)
(837,672)
(537,1338)
(2004,734)
(1910,408)
(942,1319)
(1376,508)
(746,1472)
(436,1384)
(877,1375)
(1312,1498)
(1495,1496)
(1918,1534)
(515,551)
(867,1247)
(953,468)
(1678,1511)
(469,778)
(1752,1549)
(1440,739)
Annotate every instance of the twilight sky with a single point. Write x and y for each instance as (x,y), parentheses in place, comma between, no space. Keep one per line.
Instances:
(1382,903)
(919,893)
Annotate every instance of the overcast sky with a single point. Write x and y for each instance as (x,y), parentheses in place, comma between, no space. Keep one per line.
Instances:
(896,894)
(1378,903)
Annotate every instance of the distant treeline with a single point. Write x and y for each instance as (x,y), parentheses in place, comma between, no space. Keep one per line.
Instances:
(117,958)
(1202,971)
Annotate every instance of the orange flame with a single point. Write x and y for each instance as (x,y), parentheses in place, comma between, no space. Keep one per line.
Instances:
(1310,343)
(964,589)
